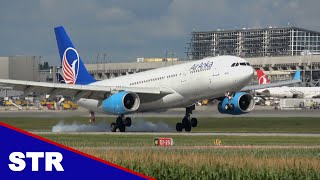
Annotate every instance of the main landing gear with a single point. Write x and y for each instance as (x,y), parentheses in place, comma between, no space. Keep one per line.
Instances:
(121,124)
(187,122)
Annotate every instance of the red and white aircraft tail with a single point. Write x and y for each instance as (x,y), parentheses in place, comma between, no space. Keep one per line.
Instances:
(262,78)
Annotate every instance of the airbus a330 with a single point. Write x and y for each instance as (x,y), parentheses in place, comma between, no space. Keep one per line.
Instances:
(177,86)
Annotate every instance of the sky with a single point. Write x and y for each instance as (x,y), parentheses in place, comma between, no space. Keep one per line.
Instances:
(126,30)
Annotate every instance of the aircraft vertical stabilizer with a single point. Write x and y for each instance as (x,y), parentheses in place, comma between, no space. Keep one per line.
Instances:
(73,69)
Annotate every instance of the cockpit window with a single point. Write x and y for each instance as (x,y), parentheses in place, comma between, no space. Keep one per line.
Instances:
(248,64)
(242,64)
(237,64)
(233,64)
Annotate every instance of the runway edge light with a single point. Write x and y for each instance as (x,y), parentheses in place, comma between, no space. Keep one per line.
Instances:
(27,155)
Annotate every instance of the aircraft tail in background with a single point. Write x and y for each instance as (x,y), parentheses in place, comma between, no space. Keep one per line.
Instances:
(262,78)
(297,75)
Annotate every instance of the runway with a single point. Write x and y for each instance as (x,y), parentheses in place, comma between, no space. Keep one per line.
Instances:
(185,134)
(201,111)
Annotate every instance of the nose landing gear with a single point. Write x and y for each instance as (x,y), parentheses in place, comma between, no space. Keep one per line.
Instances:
(187,122)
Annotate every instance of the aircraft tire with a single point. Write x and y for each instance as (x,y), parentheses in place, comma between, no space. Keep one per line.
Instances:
(122,128)
(194,122)
(179,127)
(128,121)
(113,127)
(187,127)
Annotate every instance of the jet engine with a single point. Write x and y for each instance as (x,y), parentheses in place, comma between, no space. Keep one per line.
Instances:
(240,103)
(121,103)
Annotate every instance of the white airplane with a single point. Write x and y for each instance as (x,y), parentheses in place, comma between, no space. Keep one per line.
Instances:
(177,86)
(285,91)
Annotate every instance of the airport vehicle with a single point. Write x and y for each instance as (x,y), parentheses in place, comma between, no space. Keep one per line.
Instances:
(288,92)
(177,86)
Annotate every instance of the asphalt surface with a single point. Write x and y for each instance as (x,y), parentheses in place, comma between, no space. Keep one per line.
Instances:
(205,111)
(186,134)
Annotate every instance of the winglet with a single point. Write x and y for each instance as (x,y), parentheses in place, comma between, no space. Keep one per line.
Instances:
(73,69)
(297,75)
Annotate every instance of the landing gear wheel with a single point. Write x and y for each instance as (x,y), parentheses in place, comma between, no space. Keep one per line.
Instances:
(119,120)
(179,127)
(122,128)
(187,128)
(186,123)
(113,127)
(194,122)
(127,121)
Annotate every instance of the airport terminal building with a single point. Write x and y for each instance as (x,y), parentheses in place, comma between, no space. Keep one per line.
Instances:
(286,41)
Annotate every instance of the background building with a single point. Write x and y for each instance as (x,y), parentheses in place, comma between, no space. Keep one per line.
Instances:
(287,41)
(20,68)
(156,59)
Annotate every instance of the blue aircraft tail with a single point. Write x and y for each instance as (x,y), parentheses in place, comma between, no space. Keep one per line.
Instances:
(297,75)
(73,70)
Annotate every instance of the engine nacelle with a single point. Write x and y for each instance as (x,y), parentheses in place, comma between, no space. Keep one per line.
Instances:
(122,102)
(241,103)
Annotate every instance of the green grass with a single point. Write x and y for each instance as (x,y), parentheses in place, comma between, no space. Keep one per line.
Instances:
(89,140)
(138,153)
(232,124)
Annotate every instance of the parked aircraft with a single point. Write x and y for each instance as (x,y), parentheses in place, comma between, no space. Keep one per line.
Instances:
(288,92)
(263,79)
(177,86)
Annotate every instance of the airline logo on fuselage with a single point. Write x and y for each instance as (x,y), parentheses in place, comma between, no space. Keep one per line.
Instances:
(202,66)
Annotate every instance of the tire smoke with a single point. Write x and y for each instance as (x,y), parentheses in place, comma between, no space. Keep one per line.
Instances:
(138,125)
(76,127)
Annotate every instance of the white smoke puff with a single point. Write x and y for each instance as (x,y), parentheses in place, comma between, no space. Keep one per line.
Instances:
(75,127)
(139,125)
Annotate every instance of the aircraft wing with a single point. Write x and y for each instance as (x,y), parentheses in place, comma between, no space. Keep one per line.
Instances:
(264,86)
(78,91)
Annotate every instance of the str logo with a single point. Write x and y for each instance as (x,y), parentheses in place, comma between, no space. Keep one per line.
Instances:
(52,159)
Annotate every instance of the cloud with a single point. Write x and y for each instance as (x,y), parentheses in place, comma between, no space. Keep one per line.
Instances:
(114,15)
(129,29)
